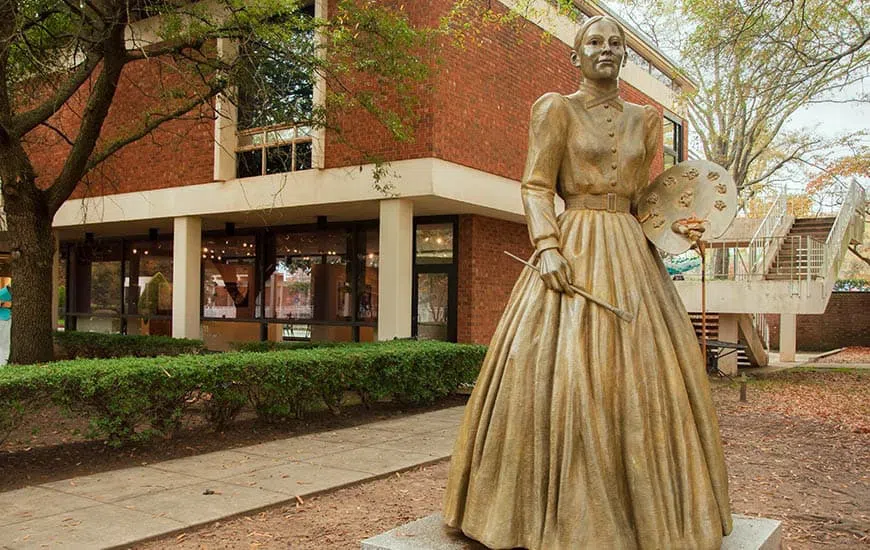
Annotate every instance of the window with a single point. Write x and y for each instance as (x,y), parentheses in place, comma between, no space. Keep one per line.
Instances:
(276,103)
(312,277)
(673,141)
(434,243)
(229,277)
(435,280)
(147,287)
(273,150)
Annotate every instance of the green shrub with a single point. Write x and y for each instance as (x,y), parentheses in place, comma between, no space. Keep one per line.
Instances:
(131,399)
(93,345)
(284,346)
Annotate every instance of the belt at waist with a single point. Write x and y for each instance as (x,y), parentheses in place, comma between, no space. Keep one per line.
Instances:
(610,202)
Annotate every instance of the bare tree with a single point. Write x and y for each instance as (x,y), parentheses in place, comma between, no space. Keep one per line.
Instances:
(757,63)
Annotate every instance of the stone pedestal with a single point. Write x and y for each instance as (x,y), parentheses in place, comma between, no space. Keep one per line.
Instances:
(429,533)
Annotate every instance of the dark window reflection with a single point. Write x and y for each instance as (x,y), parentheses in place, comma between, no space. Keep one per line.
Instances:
(229,283)
(311,278)
(279,159)
(303,155)
(249,163)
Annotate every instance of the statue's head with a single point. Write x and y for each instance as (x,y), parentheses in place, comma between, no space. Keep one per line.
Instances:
(599,48)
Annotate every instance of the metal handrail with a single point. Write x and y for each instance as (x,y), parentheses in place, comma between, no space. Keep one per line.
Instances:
(726,261)
(766,229)
(836,244)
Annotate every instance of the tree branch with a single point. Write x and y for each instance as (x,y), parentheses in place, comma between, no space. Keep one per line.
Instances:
(27,121)
(854,250)
(58,131)
(94,115)
(149,126)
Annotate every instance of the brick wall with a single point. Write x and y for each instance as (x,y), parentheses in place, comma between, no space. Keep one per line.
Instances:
(356,137)
(846,322)
(179,153)
(476,111)
(486,275)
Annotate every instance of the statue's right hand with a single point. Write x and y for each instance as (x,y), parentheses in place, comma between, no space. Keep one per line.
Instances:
(556,271)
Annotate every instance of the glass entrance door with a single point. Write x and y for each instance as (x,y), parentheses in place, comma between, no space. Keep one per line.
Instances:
(433,306)
(434,299)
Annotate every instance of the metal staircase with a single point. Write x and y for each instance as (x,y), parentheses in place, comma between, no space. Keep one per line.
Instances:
(788,266)
(743,358)
(801,251)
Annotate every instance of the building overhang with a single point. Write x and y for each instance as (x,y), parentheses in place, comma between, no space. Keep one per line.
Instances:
(342,194)
(764,296)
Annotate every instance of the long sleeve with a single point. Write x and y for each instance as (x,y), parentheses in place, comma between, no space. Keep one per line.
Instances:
(547,131)
(652,134)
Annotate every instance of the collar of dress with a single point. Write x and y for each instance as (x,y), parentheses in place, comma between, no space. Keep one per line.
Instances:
(593,98)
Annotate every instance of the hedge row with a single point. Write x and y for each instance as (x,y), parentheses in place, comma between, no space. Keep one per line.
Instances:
(94,345)
(132,399)
(270,345)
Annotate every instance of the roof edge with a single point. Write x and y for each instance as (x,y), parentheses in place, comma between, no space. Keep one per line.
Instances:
(640,42)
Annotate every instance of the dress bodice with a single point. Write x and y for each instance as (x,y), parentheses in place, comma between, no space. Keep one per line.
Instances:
(582,144)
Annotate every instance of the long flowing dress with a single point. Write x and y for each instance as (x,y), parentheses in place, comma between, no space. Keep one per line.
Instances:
(584,431)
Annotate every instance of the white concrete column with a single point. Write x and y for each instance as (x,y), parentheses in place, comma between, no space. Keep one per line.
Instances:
(186,285)
(787,336)
(318,137)
(728,328)
(395,268)
(226,121)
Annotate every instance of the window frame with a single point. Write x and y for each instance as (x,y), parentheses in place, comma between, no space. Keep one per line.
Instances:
(676,150)
(270,137)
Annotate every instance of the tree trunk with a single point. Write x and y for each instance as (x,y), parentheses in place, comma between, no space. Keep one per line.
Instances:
(32,247)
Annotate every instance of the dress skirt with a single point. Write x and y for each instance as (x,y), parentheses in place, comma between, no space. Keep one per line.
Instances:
(584,431)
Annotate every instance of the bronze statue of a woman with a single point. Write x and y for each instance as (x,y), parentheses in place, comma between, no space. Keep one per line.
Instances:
(585,431)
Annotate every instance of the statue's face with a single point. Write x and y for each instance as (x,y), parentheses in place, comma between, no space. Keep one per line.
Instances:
(599,55)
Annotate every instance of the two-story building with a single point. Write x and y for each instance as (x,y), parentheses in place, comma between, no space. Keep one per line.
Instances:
(230,231)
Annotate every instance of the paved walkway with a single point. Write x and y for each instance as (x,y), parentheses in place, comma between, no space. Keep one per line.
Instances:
(120,507)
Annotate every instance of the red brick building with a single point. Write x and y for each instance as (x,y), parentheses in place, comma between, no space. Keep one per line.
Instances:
(279,232)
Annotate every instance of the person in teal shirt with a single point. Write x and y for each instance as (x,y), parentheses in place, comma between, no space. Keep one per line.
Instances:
(5,323)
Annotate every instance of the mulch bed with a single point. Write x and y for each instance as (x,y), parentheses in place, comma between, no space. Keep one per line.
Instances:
(51,445)
(788,459)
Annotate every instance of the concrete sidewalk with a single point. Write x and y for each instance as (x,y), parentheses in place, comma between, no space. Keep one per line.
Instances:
(121,507)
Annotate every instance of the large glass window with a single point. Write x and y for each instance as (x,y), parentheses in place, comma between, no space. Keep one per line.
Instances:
(368,258)
(229,277)
(434,300)
(273,150)
(434,243)
(276,103)
(96,301)
(312,277)
(148,286)
(672,131)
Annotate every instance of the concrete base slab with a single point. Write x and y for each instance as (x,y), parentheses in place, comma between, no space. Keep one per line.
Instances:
(430,533)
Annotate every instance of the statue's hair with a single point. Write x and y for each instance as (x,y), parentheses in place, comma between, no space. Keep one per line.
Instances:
(578,38)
